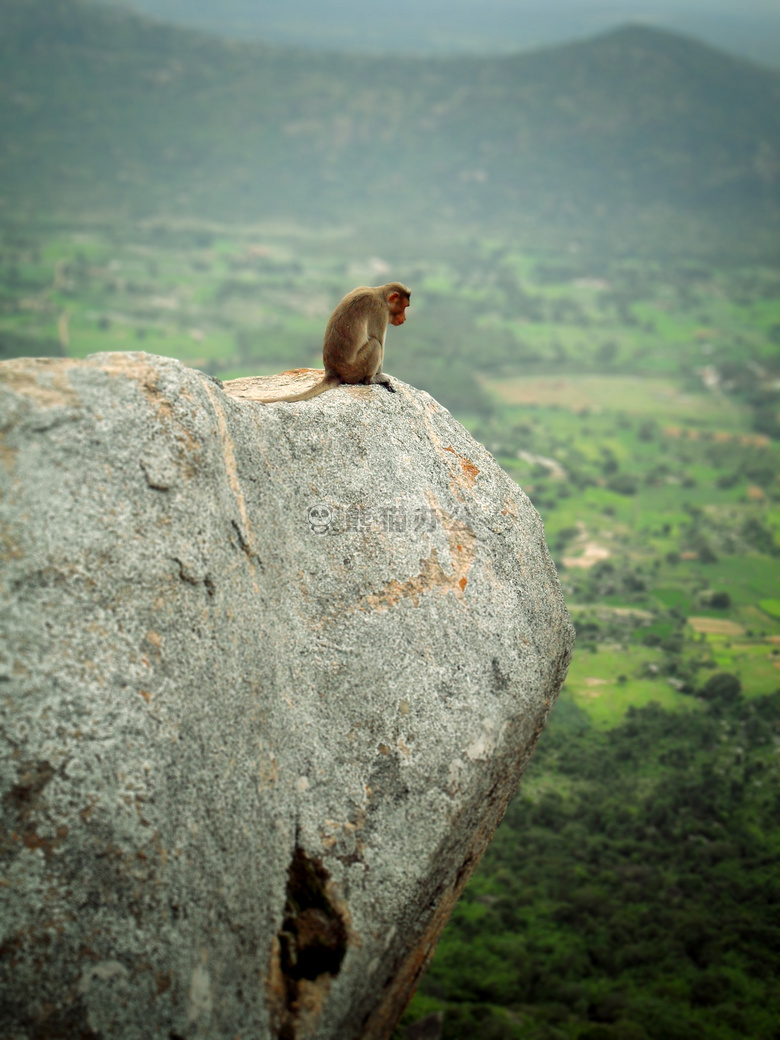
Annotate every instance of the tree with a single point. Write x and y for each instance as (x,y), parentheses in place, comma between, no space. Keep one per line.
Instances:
(722,686)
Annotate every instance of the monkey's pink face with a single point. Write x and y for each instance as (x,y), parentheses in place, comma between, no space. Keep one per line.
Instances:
(398,305)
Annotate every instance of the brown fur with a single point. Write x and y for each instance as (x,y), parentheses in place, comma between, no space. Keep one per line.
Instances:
(354,345)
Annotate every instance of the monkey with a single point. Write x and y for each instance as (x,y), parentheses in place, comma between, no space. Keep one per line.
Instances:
(354,344)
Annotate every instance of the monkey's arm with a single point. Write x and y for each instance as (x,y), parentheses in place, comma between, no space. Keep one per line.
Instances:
(369,362)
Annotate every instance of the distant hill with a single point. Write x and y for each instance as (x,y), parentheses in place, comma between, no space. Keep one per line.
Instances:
(750,28)
(637,133)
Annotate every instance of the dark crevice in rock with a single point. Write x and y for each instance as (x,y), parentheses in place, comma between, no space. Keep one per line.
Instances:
(312,942)
(313,937)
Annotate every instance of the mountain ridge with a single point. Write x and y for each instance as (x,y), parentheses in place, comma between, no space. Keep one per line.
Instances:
(458,27)
(107,108)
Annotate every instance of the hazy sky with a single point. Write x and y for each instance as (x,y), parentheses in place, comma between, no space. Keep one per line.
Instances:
(750,27)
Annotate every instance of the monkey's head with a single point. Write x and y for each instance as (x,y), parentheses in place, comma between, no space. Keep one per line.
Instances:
(398,298)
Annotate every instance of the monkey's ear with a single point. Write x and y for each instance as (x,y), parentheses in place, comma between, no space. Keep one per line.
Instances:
(393,297)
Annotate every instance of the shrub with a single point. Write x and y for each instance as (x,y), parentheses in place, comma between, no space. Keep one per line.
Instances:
(623,484)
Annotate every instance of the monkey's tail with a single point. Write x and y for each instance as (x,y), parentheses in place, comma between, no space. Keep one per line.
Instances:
(327,383)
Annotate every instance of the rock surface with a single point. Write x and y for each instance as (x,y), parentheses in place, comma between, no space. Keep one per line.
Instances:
(269,677)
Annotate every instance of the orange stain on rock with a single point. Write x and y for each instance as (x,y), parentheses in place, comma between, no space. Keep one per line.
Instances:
(470,471)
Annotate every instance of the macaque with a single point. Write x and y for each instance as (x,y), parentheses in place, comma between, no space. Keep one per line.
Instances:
(354,344)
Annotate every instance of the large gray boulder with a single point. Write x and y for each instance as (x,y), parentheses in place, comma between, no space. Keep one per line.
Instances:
(269,677)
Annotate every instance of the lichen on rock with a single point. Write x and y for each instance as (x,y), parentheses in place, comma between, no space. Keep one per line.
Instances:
(270,676)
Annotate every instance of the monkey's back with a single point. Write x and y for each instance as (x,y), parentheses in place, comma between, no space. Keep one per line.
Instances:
(361,315)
